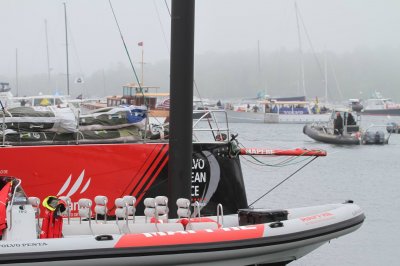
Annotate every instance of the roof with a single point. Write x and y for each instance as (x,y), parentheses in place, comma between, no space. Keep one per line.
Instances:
(284,102)
(342,109)
(158,94)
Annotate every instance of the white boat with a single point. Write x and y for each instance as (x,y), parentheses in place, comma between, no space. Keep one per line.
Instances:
(253,236)
(378,105)
(278,111)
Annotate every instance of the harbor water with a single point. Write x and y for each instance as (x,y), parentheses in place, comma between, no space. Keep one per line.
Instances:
(367,174)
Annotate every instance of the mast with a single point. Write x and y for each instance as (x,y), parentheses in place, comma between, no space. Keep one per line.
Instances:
(326,77)
(181,97)
(16,71)
(66,46)
(142,64)
(47,52)
(302,82)
(259,65)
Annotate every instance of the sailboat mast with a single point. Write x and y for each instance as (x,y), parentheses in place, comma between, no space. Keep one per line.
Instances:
(142,65)
(16,72)
(47,52)
(66,45)
(259,65)
(326,77)
(181,100)
(302,82)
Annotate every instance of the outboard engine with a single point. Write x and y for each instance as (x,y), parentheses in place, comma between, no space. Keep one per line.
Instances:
(392,127)
(371,137)
(357,107)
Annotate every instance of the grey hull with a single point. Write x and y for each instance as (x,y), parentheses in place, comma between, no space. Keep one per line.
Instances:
(393,112)
(320,135)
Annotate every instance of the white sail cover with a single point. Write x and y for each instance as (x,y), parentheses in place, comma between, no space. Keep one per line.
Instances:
(41,118)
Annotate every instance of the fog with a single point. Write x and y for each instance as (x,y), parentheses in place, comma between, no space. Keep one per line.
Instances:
(241,47)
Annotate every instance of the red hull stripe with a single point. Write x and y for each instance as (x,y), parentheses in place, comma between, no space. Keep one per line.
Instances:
(149,171)
(154,176)
(143,169)
(191,237)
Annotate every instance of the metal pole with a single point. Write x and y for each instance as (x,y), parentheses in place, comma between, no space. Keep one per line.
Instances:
(142,65)
(302,78)
(259,64)
(181,95)
(47,52)
(326,78)
(16,72)
(66,46)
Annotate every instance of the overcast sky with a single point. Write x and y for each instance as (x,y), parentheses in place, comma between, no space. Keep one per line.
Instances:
(221,26)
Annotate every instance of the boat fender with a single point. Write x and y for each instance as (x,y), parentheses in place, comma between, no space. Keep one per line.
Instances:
(276,225)
(185,221)
(153,220)
(104,237)
(348,202)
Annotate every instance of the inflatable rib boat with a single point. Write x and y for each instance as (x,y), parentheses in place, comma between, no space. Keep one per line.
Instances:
(253,236)
(349,133)
(322,134)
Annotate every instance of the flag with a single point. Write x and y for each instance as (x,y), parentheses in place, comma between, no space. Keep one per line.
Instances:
(140,44)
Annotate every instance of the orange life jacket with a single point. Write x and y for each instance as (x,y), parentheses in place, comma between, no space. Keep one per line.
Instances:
(52,222)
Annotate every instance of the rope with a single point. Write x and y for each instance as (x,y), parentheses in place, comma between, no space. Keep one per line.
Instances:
(161,25)
(280,183)
(166,4)
(127,52)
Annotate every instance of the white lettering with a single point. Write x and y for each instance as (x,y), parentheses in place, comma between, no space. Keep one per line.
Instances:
(199,177)
(171,233)
(198,164)
(147,235)
(195,191)
(3,171)
(247,227)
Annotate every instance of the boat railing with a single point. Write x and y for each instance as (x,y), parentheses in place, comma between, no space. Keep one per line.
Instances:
(3,125)
(14,192)
(211,121)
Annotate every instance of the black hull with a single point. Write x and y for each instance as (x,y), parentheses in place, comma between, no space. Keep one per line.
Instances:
(224,180)
(321,136)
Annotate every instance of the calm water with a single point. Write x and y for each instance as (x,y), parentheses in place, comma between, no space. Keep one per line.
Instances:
(369,175)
